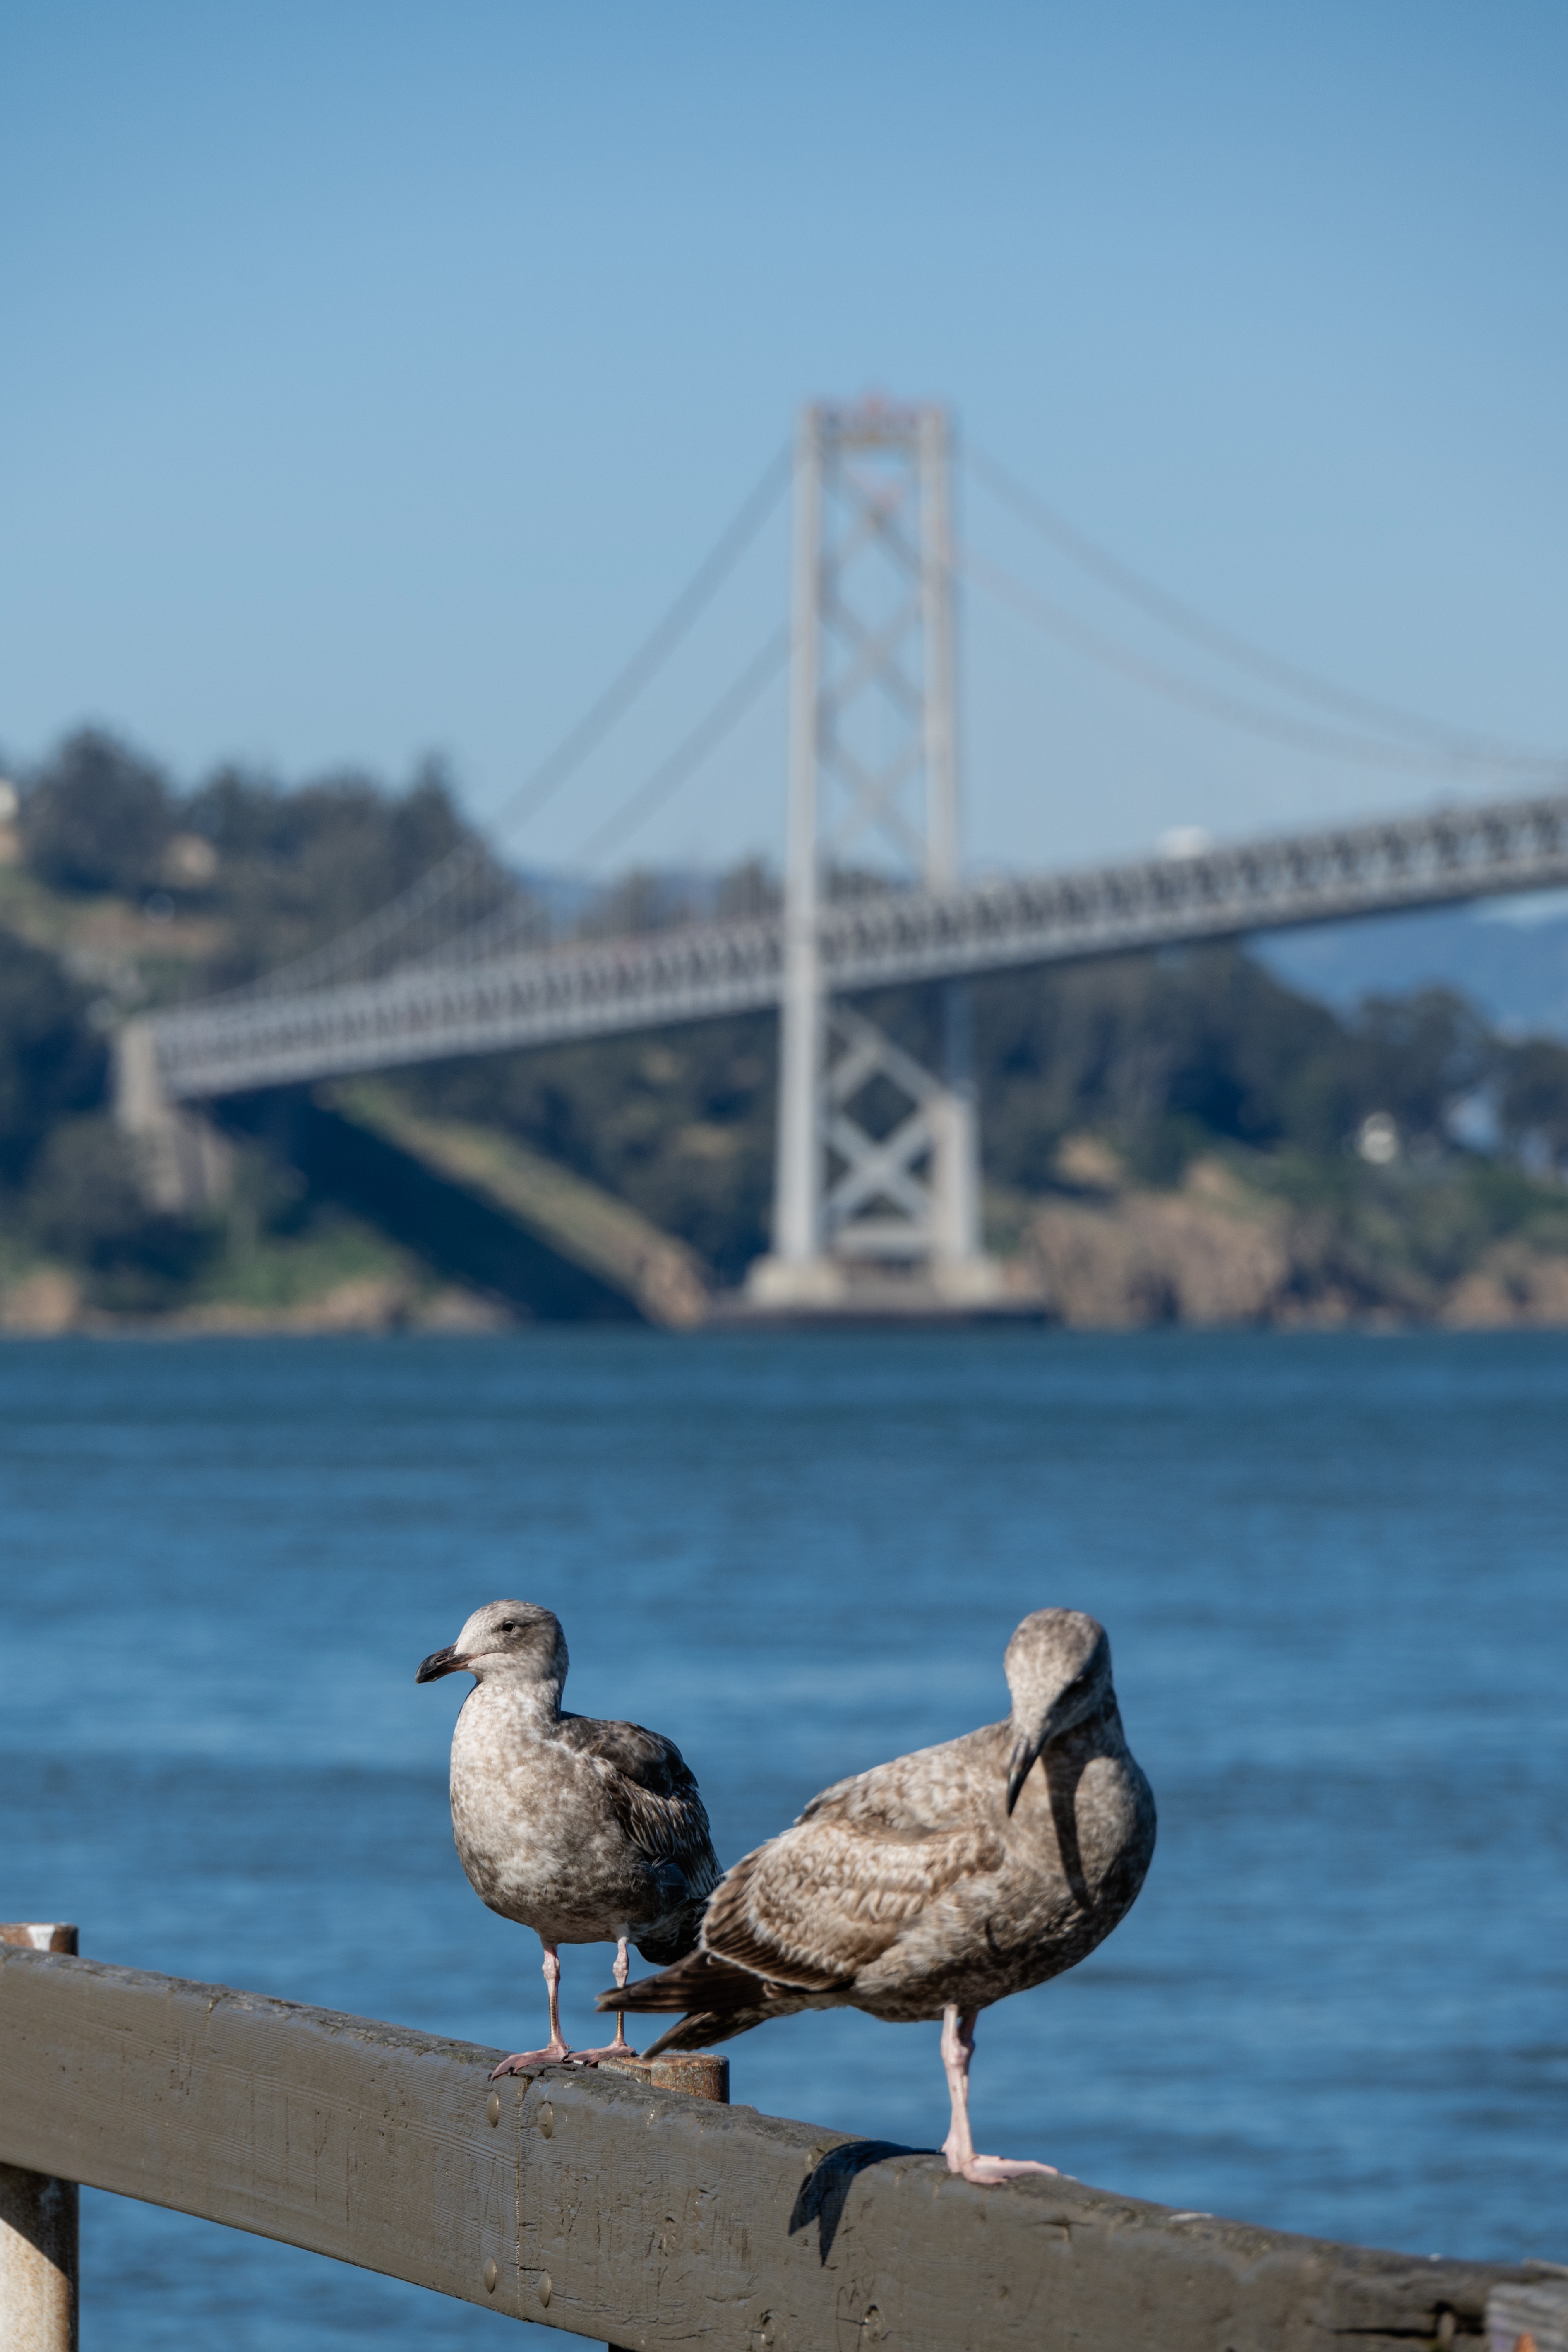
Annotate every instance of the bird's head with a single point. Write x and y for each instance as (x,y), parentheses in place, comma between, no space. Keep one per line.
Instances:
(514,1640)
(1058,1671)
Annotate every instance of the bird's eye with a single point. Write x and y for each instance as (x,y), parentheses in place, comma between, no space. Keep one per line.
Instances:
(509,1626)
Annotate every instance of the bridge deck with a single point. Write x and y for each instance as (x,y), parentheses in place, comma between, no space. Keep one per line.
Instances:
(433,1010)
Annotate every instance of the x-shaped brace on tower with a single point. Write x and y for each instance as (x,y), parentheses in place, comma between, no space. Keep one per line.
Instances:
(872,777)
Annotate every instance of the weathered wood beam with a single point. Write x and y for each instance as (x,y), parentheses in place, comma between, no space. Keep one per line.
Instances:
(39,2215)
(640,2217)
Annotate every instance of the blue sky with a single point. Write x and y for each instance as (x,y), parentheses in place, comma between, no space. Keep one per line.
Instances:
(373,375)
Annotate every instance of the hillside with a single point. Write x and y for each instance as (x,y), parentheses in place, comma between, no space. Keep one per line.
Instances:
(1177,1138)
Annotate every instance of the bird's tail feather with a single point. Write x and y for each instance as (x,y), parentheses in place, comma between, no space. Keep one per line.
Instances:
(703,2027)
(720,1999)
(699,1981)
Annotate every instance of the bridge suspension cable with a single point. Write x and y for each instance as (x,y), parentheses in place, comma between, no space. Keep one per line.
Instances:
(472,861)
(1251,718)
(518,921)
(1452,746)
(688,757)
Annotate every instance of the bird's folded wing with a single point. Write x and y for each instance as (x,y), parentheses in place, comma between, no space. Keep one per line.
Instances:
(949,1787)
(654,1794)
(826,1897)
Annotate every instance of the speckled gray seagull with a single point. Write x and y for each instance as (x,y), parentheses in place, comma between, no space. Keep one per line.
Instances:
(935,1885)
(587,1833)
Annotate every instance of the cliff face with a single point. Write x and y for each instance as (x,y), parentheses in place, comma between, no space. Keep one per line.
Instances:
(1513,1284)
(1195,1257)
(1110,1256)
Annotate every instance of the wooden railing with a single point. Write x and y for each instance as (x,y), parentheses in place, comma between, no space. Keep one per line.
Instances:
(615,2207)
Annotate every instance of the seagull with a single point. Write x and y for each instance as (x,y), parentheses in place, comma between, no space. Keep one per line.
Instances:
(587,1833)
(935,1885)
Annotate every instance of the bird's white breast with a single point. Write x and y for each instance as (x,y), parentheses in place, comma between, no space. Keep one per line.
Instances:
(535,1827)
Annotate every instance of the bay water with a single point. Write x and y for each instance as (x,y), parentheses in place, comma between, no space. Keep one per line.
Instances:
(1335,1572)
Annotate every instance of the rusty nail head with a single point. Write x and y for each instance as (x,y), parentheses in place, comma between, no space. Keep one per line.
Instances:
(547,2125)
(545,2289)
(492,2107)
(492,2274)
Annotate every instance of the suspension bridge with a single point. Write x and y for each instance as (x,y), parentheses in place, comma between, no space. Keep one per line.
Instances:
(873,892)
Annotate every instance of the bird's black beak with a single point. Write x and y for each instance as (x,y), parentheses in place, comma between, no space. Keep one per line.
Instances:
(439,1662)
(1020,1764)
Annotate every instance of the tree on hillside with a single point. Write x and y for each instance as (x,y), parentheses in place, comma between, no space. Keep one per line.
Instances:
(52,1064)
(297,869)
(1416,1057)
(1533,1101)
(86,1204)
(97,817)
(1203,1040)
(288,869)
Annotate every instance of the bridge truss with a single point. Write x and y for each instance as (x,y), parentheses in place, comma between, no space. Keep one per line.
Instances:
(550,995)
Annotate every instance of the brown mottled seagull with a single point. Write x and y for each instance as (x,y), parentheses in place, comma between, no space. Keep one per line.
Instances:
(937,1883)
(587,1833)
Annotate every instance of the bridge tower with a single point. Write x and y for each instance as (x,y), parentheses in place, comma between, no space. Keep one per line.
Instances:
(877,1178)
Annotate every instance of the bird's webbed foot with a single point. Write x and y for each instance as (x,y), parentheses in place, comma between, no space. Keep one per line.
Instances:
(985,2172)
(557,2054)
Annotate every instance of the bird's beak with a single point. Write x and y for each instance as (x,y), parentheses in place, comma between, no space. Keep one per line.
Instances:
(1066,1710)
(1020,1764)
(439,1662)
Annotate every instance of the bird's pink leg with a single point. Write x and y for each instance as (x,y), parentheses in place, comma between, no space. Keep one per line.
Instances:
(620,2047)
(557,2050)
(957,2050)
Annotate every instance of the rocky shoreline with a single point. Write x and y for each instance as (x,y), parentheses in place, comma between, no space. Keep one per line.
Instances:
(48,1304)
(1105,1255)
(1216,1252)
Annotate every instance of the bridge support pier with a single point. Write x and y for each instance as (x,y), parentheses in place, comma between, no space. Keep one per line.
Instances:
(183,1164)
(877,1201)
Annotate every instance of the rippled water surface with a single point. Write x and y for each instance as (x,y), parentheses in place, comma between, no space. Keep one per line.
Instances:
(1333,1571)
